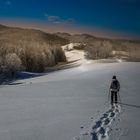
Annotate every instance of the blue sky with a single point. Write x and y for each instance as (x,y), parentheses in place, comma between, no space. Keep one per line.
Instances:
(120,18)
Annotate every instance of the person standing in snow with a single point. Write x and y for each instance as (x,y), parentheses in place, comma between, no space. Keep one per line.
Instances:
(114,89)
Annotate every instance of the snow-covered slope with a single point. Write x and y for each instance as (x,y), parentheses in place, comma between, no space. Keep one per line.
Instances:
(64,105)
(74,55)
(79,56)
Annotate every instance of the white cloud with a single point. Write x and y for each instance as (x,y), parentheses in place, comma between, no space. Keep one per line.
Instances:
(58,20)
(54,19)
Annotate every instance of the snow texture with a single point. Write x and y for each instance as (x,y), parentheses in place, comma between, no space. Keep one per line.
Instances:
(70,103)
(101,128)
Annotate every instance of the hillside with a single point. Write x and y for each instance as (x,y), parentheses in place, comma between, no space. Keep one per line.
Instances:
(100,48)
(77,38)
(34,50)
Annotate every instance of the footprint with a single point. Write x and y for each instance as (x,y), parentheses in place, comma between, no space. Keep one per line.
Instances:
(94,136)
(105,115)
(107,121)
(117,110)
(97,125)
(112,114)
(102,130)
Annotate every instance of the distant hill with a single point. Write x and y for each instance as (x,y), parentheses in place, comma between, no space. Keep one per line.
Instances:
(36,49)
(3,26)
(98,48)
(18,34)
(89,38)
(77,38)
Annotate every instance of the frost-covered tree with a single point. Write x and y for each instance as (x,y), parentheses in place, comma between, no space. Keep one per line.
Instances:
(12,63)
(99,50)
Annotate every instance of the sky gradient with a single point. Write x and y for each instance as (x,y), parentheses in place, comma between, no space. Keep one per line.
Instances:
(111,18)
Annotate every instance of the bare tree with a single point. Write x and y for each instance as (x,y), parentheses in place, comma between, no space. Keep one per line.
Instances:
(12,64)
(99,50)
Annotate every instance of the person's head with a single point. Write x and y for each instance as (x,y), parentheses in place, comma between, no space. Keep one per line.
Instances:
(114,77)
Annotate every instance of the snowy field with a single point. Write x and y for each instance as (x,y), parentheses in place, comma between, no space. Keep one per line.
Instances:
(72,104)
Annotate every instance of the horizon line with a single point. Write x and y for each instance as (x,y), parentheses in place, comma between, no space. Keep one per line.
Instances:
(70,29)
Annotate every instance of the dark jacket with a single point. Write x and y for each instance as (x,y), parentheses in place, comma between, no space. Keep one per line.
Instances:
(115,85)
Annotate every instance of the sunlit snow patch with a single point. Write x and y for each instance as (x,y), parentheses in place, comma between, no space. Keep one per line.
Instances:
(119,60)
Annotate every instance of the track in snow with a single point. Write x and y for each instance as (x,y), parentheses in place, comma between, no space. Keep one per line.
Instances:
(100,129)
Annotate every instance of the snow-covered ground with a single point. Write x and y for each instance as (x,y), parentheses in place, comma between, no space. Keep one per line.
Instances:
(79,56)
(71,104)
(73,54)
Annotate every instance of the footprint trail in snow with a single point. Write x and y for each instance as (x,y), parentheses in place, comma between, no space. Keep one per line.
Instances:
(100,129)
